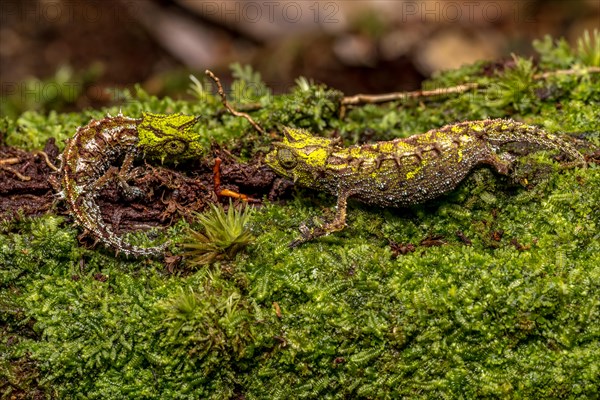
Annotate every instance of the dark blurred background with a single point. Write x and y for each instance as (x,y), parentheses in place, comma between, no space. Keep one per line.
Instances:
(75,49)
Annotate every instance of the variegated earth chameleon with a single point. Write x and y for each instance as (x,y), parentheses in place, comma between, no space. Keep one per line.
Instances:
(89,158)
(401,172)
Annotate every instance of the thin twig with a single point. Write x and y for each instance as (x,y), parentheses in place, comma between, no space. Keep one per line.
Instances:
(387,97)
(545,75)
(228,107)
(4,165)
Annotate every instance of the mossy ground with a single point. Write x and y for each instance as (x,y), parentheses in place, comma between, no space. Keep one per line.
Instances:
(515,314)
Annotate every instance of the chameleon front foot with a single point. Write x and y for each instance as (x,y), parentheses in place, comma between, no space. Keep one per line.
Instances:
(130,192)
(310,234)
(306,235)
(338,223)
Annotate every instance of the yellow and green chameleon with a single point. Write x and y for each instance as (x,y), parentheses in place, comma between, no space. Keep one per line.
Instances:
(401,172)
(394,173)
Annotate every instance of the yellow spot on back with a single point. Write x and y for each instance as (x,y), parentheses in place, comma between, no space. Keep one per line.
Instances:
(476,126)
(414,172)
(386,147)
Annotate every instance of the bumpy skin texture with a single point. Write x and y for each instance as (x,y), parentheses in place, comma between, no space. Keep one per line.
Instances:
(401,172)
(88,164)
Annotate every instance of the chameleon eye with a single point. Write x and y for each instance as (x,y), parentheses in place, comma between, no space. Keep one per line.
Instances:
(175,146)
(286,158)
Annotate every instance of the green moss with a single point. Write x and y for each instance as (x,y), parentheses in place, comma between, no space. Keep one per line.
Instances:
(515,314)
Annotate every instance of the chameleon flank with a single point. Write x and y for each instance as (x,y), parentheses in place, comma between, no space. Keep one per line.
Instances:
(88,164)
(401,172)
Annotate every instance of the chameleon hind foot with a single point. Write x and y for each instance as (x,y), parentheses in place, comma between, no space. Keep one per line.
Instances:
(121,175)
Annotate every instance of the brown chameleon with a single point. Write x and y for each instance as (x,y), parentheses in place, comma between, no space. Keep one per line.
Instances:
(90,161)
(401,172)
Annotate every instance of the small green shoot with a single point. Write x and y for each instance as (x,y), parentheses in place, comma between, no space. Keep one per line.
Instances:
(515,87)
(248,86)
(196,88)
(588,48)
(225,234)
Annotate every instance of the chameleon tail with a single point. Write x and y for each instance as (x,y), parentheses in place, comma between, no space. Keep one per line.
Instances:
(503,131)
(88,215)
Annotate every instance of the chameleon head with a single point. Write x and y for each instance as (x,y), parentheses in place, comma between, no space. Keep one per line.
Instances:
(169,137)
(300,156)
